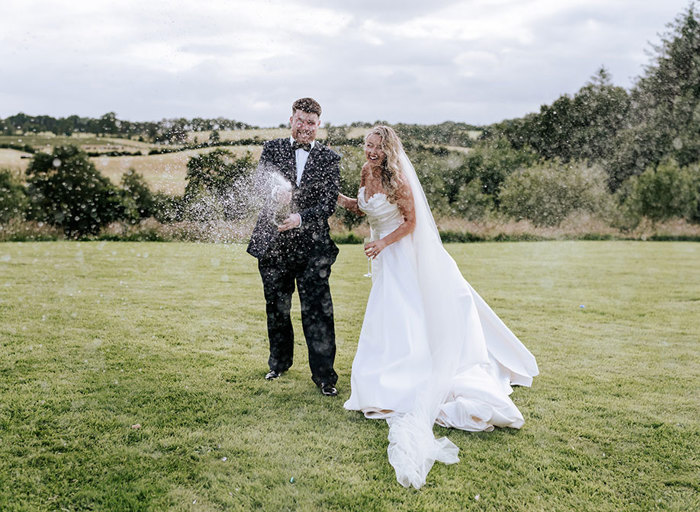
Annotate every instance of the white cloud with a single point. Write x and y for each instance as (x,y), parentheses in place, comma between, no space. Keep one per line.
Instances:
(475,61)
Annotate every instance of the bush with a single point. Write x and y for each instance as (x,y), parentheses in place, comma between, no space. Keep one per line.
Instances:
(471,201)
(66,190)
(664,192)
(548,193)
(492,161)
(137,198)
(167,208)
(13,196)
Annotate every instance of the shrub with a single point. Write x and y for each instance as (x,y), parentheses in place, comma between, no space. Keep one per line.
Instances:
(471,202)
(548,193)
(492,161)
(665,191)
(66,190)
(167,208)
(13,196)
(137,198)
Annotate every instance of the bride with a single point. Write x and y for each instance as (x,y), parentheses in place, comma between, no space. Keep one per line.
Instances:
(430,349)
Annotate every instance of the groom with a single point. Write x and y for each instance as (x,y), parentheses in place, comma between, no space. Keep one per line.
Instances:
(300,249)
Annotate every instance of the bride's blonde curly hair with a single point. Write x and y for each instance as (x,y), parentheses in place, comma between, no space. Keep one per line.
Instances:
(392,176)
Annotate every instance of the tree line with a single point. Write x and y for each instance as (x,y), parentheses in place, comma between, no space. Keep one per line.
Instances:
(166,130)
(624,132)
(621,155)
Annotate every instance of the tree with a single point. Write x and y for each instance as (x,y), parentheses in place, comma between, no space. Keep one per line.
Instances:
(173,131)
(66,190)
(582,127)
(213,181)
(490,161)
(665,109)
(600,111)
(108,124)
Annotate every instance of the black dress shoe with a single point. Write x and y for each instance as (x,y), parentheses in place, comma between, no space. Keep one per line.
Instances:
(272,375)
(328,390)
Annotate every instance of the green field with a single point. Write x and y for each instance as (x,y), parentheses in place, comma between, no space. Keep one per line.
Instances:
(98,337)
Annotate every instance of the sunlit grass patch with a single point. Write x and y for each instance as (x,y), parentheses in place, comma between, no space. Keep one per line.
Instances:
(166,172)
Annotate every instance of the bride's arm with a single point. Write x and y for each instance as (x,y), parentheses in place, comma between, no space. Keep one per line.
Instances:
(350,204)
(407,209)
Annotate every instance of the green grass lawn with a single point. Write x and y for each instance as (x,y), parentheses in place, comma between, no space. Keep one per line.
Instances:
(97,337)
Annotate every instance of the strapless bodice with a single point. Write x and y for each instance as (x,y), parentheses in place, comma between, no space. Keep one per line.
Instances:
(383,215)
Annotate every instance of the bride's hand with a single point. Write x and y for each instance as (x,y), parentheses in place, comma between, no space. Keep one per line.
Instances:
(373,249)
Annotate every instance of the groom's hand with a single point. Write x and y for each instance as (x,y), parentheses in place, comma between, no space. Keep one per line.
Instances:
(291,222)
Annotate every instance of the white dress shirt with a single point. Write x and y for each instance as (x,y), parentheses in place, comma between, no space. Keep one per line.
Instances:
(301,158)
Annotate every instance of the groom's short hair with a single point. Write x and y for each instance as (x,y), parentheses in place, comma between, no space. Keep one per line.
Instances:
(308,105)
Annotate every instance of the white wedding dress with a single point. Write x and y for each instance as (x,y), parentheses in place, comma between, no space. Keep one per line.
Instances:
(430,349)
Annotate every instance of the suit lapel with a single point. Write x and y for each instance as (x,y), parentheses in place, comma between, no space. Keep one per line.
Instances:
(290,162)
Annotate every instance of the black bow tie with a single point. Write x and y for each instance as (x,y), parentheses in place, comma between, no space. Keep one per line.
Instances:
(299,145)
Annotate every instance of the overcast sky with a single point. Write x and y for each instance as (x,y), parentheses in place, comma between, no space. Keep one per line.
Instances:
(414,61)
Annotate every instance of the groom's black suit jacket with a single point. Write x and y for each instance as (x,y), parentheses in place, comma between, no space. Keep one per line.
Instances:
(314,199)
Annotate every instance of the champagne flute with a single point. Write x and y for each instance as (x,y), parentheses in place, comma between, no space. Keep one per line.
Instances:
(281,196)
(369,260)
(281,213)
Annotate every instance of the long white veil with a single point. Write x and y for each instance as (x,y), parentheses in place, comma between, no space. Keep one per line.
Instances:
(413,448)
(458,323)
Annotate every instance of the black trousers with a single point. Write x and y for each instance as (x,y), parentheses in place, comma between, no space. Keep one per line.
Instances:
(311,277)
